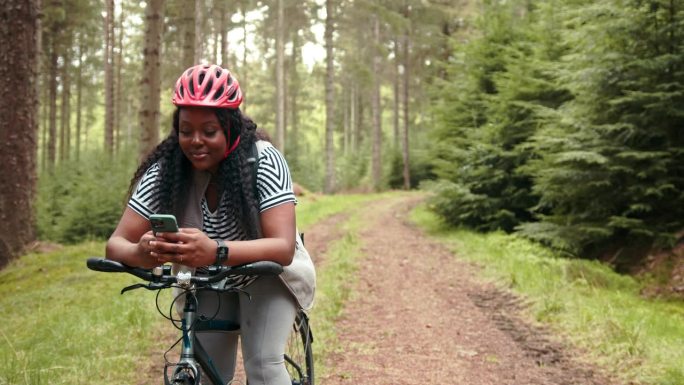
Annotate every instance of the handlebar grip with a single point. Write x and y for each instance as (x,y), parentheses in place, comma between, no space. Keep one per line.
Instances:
(105,265)
(258,268)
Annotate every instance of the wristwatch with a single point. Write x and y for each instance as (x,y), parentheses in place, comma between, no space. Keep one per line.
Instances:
(221,253)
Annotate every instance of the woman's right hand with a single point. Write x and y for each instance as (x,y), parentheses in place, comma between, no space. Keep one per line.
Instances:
(145,251)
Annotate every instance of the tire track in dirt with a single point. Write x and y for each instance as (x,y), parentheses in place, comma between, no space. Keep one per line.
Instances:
(417,317)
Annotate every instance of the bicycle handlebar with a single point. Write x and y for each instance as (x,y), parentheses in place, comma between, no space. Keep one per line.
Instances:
(218,272)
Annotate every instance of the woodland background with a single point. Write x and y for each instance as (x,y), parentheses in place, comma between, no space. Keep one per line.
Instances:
(562,121)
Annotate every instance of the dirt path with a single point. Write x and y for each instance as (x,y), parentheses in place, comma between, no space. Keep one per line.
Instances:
(418,317)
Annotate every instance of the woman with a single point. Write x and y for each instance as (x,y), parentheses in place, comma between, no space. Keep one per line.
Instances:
(202,173)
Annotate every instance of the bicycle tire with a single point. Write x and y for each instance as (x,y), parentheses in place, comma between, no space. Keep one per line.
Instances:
(299,359)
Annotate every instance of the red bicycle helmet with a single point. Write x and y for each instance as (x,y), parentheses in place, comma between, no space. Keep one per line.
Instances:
(207,86)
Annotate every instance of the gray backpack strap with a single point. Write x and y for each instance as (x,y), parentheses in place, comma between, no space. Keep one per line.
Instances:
(254,161)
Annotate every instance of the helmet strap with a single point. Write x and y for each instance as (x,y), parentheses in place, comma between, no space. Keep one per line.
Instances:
(231,148)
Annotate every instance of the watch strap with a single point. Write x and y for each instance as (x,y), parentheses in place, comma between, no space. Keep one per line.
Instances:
(221,253)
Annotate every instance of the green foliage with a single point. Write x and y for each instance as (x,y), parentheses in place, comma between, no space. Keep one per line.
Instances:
(420,168)
(563,116)
(501,88)
(83,199)
(639,340)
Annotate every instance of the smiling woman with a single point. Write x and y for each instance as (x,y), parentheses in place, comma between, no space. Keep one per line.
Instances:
(203,173)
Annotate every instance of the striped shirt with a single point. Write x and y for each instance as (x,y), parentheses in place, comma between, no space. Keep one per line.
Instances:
(274,187)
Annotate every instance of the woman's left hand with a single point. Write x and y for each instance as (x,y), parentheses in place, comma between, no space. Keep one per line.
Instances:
(189,247)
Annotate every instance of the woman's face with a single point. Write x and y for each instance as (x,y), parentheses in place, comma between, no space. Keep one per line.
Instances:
(201,137)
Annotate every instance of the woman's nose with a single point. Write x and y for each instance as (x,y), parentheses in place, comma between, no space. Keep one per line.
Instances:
(196,139)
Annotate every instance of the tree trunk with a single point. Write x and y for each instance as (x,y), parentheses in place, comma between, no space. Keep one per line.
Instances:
(224,35)
(65,116)
(199,46)
(329,101)
(405,148)
(150,91)
(280,76)
(376,162)
(109,78)
(118,89)
(188,26)
(79,98)
(395,107)
(45,115)
(52,100)
(295,84)
(18,125)
(245,68)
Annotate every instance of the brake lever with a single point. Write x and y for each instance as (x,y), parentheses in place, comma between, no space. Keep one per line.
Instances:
(133,287)
(150,286)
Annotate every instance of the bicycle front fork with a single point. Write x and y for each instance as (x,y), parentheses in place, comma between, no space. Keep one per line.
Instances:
(186,371)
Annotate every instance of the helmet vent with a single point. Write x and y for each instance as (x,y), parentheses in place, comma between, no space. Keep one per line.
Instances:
(191,90)
(208,87)
(218,93)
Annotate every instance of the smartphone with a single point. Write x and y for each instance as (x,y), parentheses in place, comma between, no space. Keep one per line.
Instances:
(163,223)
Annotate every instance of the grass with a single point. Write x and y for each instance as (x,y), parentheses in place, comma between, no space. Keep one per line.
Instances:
(636,339)
(64,324)
(313,208)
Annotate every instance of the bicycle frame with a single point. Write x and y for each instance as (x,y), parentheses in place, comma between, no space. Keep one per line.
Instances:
(193,356)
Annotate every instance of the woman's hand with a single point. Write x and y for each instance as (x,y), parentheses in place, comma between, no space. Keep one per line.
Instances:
(148,260)
(189,247)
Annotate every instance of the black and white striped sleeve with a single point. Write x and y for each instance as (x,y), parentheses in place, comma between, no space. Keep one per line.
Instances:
(274,183)
(145,198)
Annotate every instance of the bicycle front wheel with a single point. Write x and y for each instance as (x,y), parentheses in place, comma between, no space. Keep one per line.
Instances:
(298,353)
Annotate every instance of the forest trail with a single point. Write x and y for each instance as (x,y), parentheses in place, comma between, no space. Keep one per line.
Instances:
(417,315)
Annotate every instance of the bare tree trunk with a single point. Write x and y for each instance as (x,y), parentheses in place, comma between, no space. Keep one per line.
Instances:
(199,46)
(357,138)
(395,108)
(376,163)
(280,76)
(118,90)
(295,84)
(109,78)
(329,101)
(224,36)
(188,27)
(45,115)
(245,68)
(149,112)
(65,118)
(18,125)
(52,99)
(405,148)
(79,97)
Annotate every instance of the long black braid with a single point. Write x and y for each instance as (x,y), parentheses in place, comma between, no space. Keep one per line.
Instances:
(235,172)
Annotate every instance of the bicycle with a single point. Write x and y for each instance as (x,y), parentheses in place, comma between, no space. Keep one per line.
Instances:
(298,355)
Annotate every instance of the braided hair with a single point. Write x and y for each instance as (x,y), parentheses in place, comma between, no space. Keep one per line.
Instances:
(236,177)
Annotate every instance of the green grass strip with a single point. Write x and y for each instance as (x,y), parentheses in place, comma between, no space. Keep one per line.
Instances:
(64,324)
(636,339)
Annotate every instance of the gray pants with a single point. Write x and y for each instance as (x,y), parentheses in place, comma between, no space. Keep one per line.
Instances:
(265,326)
